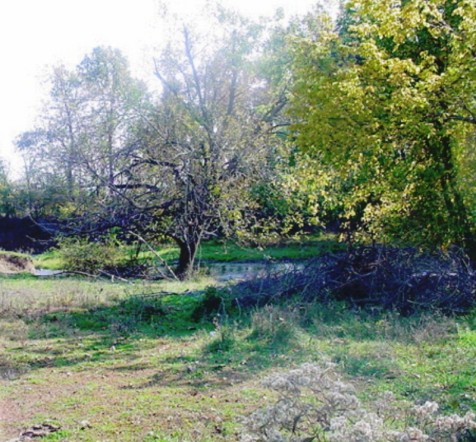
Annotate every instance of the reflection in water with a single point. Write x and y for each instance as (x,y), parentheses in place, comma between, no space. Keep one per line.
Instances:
(247,270)
(47,272)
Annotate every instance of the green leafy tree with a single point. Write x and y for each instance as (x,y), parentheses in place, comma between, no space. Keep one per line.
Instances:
(387,99)
(7,193)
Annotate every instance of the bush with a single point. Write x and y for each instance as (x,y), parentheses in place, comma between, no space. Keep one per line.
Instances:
(212,304)
(84,256)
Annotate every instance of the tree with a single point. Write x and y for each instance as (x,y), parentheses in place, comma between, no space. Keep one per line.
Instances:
(207,141)
(180,168)
(387,99)
(7,202)
(86,134)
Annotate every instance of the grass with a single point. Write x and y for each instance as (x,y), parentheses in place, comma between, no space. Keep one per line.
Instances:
(134,363)
(50,260)
(216,251)
(17,254)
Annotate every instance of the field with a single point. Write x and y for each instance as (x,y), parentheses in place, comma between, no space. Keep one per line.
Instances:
(152,362)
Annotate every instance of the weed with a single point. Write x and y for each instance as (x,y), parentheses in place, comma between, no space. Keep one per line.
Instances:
(224,338)
(212,303)
(274,324)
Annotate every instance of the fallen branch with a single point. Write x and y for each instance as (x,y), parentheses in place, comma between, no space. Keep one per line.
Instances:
(89,275)
(393,278)
(162,260)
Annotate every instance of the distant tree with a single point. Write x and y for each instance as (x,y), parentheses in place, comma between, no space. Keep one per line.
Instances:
(387,99)
(7,196)
(85,134)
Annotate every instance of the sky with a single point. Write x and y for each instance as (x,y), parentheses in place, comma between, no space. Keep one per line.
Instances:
(38,34)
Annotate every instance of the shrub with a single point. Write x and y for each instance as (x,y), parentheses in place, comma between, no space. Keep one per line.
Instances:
(314,404)
(85,256)
(212,303)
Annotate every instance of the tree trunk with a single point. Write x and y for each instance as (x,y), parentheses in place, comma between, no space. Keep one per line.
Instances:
(455,206)
(185,266)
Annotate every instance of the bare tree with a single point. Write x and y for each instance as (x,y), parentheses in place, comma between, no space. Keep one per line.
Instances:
(206,143)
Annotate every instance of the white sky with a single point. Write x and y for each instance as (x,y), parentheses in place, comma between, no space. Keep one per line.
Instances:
(38,34)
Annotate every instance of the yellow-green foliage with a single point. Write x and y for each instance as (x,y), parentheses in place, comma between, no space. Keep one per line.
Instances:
(387,100)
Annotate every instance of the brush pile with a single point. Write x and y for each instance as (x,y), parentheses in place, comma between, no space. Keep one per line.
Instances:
(402,279)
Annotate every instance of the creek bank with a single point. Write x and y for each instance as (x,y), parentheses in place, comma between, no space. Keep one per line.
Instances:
(12,263)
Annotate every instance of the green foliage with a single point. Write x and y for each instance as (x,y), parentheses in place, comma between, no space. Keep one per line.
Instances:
(7,195)
(298,199)
(87,256)
(386,100)
(213,303)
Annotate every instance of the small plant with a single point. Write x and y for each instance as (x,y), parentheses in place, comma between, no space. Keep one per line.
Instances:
(211,305)
(273,324)
(314,404)
(224,336)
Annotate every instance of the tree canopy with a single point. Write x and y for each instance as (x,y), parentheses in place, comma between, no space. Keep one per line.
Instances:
(180,166)
(387,98)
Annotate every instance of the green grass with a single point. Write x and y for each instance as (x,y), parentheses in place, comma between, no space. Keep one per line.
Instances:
(216,251)
(50,260)
(17,254)
(137,364)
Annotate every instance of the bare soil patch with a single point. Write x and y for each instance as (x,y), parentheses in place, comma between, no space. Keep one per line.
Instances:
(11,263)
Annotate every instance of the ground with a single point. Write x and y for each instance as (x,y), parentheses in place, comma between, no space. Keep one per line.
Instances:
(114,361)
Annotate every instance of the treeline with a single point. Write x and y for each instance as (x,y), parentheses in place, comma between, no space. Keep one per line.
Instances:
(365,122)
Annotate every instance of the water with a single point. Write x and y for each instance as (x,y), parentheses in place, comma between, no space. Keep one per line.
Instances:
(46,272)
(231,271)
(239,271)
